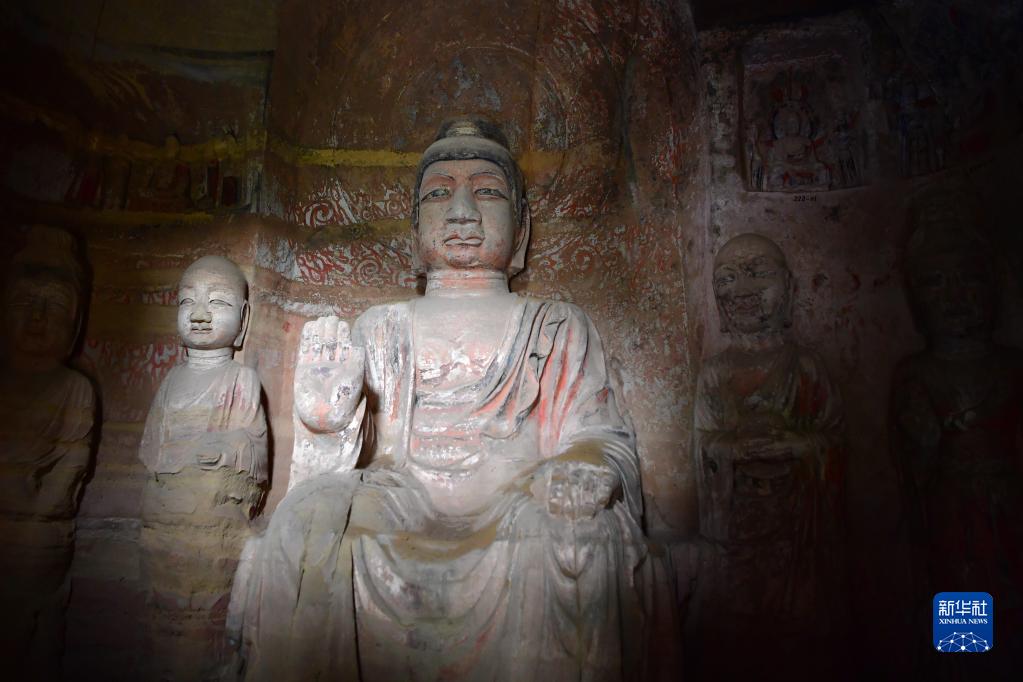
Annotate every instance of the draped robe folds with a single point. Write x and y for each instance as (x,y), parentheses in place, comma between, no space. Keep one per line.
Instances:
(769,526)
(195,516)
(215,409)
(435,562)
(45,443)
(958,437)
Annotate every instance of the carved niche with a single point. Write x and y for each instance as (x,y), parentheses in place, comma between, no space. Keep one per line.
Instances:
(800,115)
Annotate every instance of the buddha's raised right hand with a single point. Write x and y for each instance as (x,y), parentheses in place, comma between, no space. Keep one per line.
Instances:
(328,375)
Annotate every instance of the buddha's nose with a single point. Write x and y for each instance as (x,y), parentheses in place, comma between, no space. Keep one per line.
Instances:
(463,208)
(201,313)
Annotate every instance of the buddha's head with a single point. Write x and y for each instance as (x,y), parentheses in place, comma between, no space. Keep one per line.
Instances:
(752,285)
(791,121)
(43,302)
(470,212)
(952,287)
(213,310)
(171,147)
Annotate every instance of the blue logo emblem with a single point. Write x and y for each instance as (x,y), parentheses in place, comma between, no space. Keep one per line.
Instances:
(964,622)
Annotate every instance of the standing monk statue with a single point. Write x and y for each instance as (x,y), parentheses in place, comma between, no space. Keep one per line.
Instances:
(465,498)
(204,448)
(47,412)
(767,436)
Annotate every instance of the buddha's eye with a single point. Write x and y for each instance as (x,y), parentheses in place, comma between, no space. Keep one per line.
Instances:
(219,302)
(490,192)
(763,273)
(439,193)
(724,280)
(186,301)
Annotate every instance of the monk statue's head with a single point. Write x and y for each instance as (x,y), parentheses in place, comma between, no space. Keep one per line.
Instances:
(753,286)
(470,210)
(952,287)
(213,307)
(46,284)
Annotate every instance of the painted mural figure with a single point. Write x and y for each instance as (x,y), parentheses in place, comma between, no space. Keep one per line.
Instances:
(47,412)
(88,184)
(787,159)
(168,185)
(204,447)
(491,530)
(767,434)
(958,421)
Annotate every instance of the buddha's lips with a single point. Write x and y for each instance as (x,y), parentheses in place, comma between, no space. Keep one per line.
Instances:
(458,241)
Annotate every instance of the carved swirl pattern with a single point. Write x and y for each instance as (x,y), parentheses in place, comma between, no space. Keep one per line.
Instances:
(333,204)
(358,264)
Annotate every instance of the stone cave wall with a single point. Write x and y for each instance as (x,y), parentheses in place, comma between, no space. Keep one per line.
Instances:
(638,133)
(873,81)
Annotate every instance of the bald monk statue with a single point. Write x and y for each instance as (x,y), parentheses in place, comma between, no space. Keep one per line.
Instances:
(768,461)
(464,500)
(204,447)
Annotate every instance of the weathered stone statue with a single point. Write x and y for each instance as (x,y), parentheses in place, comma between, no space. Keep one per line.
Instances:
(465,500)
(205,449)
(957,418)
(767,433)
(46,419)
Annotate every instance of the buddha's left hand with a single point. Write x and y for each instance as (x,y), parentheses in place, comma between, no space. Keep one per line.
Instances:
(576,490)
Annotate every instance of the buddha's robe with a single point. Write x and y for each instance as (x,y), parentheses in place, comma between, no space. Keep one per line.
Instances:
(435,562)
(46,427)
(205,448)
(769,525)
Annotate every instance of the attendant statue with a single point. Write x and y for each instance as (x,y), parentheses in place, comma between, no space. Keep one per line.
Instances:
(464,500)
(957,420)
(768,462)
(204,447)
(47,411)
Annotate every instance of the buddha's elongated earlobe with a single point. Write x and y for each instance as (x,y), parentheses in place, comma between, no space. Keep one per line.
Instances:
(417,262)
(518,261)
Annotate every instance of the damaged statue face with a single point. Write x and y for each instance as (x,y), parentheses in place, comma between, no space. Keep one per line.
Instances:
(212,310)
(953,294)
(467,219)
(752,285)
(41,316)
